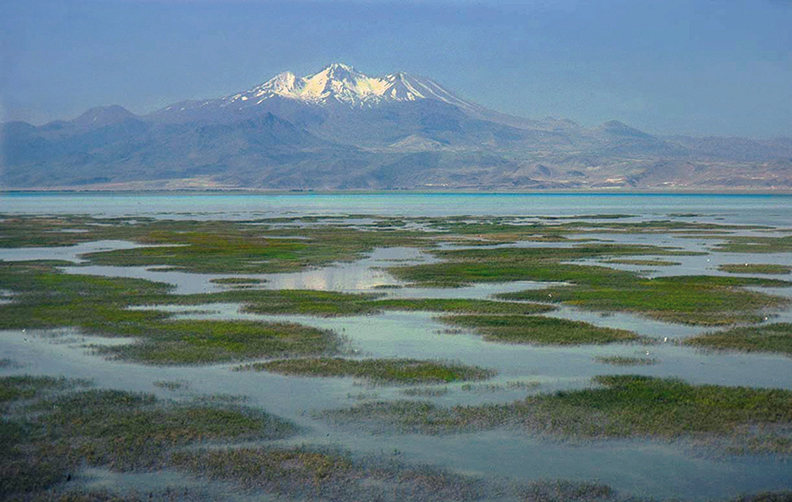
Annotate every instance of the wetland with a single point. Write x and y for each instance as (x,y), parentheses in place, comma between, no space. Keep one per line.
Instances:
(371,347)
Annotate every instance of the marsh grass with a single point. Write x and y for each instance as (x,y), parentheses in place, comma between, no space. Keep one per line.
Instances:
(496,387)
(701,300)
(765,338)
(47,299)
(201,342)
(756,245)
(626,361)
(23,387)
(463,306)
(49,436)
(755,268)
(171,385)
(566,491)
(236,281)
(401,371)
(539,330)
(283,301)
(425,391)
(330,474)
(646,263)
(8,363)
(224,247)
(524,264)
(697,300)
(623,405)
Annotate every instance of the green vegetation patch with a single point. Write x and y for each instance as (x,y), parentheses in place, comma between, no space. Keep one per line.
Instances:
(233,281)
(463,306)
(539,330)
(624,405)
(526,264)
(195,342)
(330,474)
(698,300)
(403,371)
(765,338)
(283,301)
(171,385)
(645,263)
(241,248)
(756,245)
(15,388)
(566,491)
(44,231)
(626,361)
(47,299)
(755,268)
(57,435)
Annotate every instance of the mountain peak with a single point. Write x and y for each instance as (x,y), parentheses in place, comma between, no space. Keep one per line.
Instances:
(341,84)
(333,67)
(103,115)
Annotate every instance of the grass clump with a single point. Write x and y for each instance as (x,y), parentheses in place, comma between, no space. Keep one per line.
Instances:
(698,300)
(319,303)
(235,281)
(755,268)
(752,244)
(775,337)
(331,474)
(284,301)
(47,299)
(240,248)
(198,342)
(53,436)
(539,330)
(425,391)
(463,306)
(402,371)
(645,263)
(524,264)
(22,387)
(626,361)
(702,300)
(566,491)
(623,405)
(8,363)
(171,385)
(125,430)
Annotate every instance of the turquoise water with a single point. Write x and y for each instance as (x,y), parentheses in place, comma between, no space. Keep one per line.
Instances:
(756,209)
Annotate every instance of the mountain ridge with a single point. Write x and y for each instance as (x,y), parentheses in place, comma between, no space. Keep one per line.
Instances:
(341,129)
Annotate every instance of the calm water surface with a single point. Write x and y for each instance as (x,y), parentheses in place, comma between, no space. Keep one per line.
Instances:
(744,209)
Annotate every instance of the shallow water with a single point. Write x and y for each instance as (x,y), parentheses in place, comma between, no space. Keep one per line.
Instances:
(651,468)
(775,210)
(65,253)
(638,467)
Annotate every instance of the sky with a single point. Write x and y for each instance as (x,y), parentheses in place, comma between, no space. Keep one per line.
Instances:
(696,67)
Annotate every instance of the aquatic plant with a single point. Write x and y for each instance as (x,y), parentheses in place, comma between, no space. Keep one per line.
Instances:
(774,337)
(404,371)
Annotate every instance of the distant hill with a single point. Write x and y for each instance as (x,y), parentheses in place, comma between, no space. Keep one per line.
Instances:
(341,129)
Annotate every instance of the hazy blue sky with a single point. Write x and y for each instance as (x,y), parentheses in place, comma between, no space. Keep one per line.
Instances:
(704,67)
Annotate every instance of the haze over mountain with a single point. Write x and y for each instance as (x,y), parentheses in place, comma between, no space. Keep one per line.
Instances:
(342,129)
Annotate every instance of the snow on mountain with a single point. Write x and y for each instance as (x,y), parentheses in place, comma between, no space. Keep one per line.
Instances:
(342,84)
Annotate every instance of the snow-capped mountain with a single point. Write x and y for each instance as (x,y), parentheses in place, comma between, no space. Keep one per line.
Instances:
(336,88)
(342,84)
(342,129)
